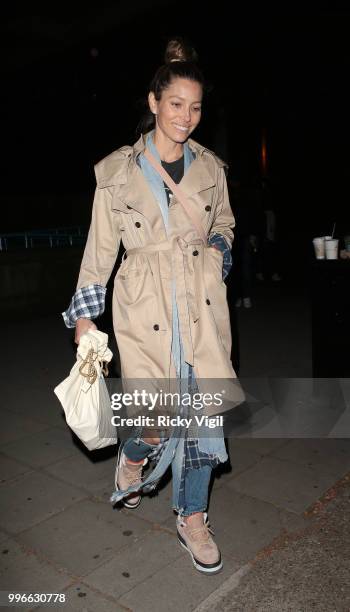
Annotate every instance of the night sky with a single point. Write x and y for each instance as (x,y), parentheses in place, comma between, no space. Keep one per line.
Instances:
(74,80)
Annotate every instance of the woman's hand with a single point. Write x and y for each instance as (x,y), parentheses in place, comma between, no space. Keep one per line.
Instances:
(81,327)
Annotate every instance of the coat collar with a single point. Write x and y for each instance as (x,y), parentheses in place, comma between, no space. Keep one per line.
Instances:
(140,145)
(198,177)
(134,191)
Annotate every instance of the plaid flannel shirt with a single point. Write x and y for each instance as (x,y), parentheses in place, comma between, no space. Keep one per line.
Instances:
(87,303)
(219,241)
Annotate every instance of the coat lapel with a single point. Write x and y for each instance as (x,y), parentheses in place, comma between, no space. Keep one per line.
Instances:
(197,178)
(136,194)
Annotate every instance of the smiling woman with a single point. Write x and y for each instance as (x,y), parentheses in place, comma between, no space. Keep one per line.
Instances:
(170,313)
(177,113)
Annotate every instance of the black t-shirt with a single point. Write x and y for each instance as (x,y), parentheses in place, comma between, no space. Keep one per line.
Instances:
(176,170)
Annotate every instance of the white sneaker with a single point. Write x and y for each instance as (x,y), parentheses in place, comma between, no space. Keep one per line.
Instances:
(198,542)
(126,475)
(247,302)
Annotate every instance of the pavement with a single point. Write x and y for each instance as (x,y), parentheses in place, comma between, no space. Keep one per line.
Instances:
(279,508)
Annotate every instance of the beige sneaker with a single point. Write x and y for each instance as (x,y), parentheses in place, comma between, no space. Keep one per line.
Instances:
(128,474)
(197,541)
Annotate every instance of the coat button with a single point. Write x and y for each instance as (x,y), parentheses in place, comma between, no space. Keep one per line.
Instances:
(129,207)
(208,302)
(208,208)
(195,253)
(156,327)
(138,224)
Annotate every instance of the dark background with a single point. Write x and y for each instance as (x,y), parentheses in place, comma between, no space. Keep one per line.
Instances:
(74,76)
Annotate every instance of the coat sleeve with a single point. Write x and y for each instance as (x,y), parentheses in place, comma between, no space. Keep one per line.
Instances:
(224,221)
(99,257)
(103,241)
(221,233)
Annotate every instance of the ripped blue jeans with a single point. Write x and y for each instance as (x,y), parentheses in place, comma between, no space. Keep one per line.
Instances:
(194,495)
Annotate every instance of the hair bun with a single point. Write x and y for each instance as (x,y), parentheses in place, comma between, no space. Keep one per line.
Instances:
(178,50)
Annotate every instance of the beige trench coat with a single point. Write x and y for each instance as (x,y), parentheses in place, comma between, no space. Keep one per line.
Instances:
(125,209)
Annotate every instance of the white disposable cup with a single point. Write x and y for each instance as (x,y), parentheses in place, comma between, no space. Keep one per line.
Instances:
(332,248)
(319,247)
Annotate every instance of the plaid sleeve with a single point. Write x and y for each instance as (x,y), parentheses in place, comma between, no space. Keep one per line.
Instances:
(195,459)
(87,303)
(219,241)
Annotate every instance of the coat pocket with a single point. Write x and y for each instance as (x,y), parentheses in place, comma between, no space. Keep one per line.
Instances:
(214,261)
(130,284)
(216,295)
(136,303)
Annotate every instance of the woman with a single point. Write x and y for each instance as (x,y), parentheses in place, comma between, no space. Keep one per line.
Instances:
(170,313)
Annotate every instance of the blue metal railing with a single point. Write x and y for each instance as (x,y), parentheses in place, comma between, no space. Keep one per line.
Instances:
(52,237)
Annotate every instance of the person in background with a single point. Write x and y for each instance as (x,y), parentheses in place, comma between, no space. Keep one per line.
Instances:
(249,225)
(267,256)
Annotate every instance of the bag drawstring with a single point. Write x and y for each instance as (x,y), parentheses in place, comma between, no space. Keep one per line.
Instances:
(91,372)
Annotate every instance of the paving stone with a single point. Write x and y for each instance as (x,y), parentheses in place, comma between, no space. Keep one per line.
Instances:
(310,572)
(244,525)
(224,533)
(81,598)
(262,422)
(80,470)
(43,448)
(84,536)
(136,563)
(320,411)
(243,453)
(30,499)
(170,523)
(10,469)
(21,570)
(157,507)
(342,426)
(344,384)
(16,426)
(288,485)
(332,453)
(262,347)
(57,360)
(41,404)
(260,446)
(240,460)
(292,522)
(3,536)
(179,586)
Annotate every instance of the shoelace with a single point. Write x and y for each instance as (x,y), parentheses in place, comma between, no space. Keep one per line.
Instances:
(202,532)
(133,476)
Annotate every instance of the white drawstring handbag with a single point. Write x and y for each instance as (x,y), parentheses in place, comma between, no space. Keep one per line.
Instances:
(84,395)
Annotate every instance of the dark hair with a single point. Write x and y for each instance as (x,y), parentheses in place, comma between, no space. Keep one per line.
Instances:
(180,61)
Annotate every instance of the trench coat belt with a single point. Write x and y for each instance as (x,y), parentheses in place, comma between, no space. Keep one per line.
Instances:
(183,266)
